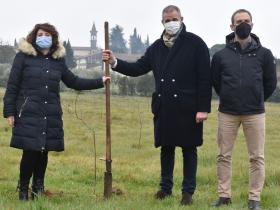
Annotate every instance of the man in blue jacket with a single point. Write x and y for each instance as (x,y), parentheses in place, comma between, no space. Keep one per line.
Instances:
(181,66)
(244,76)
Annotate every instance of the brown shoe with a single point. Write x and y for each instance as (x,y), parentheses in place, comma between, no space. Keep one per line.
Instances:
(222,201)
(160,195)
(186,199)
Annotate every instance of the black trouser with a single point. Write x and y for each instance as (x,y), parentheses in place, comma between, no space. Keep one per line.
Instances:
(33,163)
(167,157)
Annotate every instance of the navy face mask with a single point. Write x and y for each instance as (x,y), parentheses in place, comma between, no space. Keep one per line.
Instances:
(44,42)
(243,30)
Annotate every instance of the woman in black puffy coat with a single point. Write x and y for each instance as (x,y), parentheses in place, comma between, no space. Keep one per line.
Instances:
(32,103)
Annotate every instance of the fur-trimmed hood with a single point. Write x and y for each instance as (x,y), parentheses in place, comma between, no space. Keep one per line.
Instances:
(28,49)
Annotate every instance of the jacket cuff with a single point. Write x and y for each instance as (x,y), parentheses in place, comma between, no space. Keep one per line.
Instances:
(204,110)
(115,64)
(99,83)
(118,65)
(7,114)
(204,107)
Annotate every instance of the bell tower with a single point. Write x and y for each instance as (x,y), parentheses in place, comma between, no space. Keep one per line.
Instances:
(93,38)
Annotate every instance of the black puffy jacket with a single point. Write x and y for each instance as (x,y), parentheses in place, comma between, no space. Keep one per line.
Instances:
(32,97)
(243,79)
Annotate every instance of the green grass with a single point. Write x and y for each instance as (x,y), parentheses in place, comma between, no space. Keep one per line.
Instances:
(136,170)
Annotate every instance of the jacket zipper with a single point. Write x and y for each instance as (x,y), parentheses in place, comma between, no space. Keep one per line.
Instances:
(22,107)
(241,74)
(240,66)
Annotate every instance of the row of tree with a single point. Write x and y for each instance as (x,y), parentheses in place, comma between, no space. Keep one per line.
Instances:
(7,53)
(121,85)
(118,44)
(69,55)
(143,86)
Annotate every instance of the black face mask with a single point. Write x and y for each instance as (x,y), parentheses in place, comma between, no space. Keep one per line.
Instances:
(243,30)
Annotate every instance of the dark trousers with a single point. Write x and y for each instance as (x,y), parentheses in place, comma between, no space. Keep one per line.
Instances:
(167,157)
(33,163)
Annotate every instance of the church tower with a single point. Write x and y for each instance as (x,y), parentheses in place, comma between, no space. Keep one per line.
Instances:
(93,38)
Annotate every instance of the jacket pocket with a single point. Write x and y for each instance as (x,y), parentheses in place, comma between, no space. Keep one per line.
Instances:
(187,100)
(256,93)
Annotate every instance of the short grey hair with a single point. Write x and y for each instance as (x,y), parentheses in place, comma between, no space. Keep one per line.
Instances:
(171,8)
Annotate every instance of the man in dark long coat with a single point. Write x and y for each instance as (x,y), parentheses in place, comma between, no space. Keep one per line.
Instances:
(182,99)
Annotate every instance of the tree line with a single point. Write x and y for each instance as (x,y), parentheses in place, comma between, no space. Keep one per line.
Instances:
(118,44)
(122,85)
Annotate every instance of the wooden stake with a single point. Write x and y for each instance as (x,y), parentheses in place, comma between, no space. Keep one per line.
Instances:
(108,172)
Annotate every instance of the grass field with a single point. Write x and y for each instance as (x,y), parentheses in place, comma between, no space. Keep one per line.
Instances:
(136,168)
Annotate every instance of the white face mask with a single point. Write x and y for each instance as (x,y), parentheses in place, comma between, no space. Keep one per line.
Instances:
(172,27)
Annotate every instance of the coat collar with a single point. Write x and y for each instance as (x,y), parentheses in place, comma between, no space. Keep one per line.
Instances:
(182,31)
(27,48)
(175,48)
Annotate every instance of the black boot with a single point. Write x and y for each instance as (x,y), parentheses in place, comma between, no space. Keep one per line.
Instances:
(186,199)
(37,188)
(160,195)
(23,190)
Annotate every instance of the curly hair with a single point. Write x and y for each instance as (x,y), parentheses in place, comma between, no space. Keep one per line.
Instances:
(31,37)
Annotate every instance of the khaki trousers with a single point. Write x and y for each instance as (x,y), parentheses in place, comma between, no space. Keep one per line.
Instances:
(254,131)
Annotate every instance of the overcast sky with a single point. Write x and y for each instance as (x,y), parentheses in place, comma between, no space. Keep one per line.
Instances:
(210,19)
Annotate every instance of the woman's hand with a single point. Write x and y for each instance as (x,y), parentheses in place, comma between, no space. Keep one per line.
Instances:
(11,121)
(104,78)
